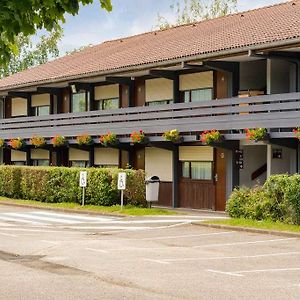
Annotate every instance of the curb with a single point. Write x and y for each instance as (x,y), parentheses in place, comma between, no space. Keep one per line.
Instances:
(249,229)
(66,210)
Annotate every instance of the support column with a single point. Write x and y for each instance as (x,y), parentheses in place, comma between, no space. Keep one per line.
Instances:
(92,98)
(131,94)
(176,92)
(29,110)
(175,182)
(28,156)
(269,160)
(92,156)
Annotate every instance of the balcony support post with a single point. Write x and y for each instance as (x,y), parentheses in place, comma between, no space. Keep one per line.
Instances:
(175,182)
(92,156)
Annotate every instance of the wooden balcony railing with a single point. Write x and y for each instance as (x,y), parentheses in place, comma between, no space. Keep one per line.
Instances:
(280,111)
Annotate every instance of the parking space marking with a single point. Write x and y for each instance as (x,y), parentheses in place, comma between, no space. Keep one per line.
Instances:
(8,234)
(96,250)
(174,260)
(240,273)
(245,243)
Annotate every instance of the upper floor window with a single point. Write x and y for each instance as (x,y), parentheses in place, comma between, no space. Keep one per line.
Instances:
(80,101)
(41,110)
(108,104)
(197,95)
(153,103)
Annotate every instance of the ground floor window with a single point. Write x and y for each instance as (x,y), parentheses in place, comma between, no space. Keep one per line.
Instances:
(18,163)
(79,163)
(107,166)
(199,170)
(42,110)
(40,162)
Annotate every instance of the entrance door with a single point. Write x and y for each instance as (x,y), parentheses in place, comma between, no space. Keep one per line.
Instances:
(139,159)
(220,179)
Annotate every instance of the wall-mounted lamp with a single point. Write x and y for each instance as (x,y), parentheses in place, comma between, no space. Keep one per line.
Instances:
(73,88)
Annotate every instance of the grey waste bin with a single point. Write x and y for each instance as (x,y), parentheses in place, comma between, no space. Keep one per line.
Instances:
(152,188)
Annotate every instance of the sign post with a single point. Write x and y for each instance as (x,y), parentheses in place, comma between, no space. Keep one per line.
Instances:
(122,186)
(83,184)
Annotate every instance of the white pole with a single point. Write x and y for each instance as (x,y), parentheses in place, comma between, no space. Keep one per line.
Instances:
(122,199)
(83,195)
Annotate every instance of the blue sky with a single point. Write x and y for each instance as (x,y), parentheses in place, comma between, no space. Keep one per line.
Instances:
(93,25)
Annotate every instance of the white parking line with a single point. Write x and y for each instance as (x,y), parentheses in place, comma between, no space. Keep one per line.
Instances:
(8,234)
(20,217)
(96,250)
(245,243)
(7,218)
(240,273)
(173,260)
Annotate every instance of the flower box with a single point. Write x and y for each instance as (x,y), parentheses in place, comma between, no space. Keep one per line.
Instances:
(211,136)
(84,140)
(2,143)
(138,137)
(59,141)
(256,134)
(109,139)
(297,133)
(17,144)
(173,136)
(38,141)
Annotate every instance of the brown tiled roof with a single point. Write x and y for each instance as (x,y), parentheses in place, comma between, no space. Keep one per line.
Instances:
(256,27)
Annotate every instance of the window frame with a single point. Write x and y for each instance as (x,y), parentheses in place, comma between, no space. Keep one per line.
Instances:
(37,160)
(86,163)
(87,100)
(190,171)
(182,94)
(157,102)
(36,109)
(100,103)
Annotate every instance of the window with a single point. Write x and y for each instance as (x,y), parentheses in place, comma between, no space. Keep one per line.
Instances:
(161,102)
(198,170)
(108,104)
(79,163)
(42,110)
(80,102)
(40,162)
(107,166)
(19,163)
(197,95)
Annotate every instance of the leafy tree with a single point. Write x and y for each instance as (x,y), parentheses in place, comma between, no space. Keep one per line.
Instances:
(27,16)
(31,54)
(196,10)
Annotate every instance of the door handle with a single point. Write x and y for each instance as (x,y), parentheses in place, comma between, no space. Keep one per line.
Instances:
(216,178)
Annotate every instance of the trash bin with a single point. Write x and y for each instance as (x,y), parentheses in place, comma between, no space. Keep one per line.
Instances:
(152,189)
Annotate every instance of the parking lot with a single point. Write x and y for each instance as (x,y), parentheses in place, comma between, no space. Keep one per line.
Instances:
(140,258)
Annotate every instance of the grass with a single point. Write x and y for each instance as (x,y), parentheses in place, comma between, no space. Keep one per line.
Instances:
(265,224)
(115,209)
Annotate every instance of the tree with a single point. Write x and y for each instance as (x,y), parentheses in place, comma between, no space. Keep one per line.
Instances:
(196,10)
(31,54)
(27,16)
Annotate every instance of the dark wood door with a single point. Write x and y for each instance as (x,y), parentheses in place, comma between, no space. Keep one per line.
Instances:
(65,105)
(139,159)
(221,85)
(7,108)
(124,92)
(140,92)
(220,179)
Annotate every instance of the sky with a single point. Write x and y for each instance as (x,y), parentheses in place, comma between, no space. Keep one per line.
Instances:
(93,25)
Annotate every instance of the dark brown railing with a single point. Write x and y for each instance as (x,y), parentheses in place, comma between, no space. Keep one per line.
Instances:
(278,112)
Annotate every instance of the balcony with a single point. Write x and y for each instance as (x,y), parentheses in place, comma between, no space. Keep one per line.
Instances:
(278,113)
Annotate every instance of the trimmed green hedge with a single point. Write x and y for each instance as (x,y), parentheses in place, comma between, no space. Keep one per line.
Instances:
(59,184)
(277,200)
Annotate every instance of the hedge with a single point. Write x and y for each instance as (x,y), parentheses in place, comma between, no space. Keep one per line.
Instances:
(277,200)
(59,184)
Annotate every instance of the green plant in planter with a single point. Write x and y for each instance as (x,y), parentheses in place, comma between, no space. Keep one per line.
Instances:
(256,134)
(210,136)
(108,139)
(84,139)
(38,141)
(59,141)
(172,136)
(16,143)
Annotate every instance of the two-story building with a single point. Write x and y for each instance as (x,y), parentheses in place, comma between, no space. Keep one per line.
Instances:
(230,73)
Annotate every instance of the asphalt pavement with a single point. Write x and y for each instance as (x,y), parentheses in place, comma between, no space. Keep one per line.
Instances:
(53,255)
